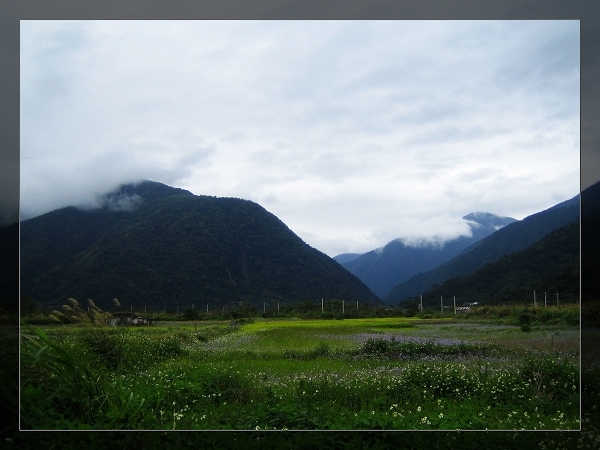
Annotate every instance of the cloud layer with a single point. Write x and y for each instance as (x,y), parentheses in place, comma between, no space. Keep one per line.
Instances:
(352,133)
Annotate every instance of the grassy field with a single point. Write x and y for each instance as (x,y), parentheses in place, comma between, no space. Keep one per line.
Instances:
(380,373)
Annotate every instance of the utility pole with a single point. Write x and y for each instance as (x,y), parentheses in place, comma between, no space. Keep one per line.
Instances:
(545,303)
(277,307)
(455,306)
(557,300)
(343,307)
(206,308)
(321,304)
(421,302)
(442,304)
(264,307)
(534,302)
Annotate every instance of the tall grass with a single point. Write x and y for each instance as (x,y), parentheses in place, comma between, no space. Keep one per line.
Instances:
(566,314)
(64,380)
(263,376)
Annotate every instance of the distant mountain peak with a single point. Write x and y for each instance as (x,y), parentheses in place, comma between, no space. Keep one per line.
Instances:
(487,220)
(385,267)
(512,238)
(129,196)
(480,215)
(477,214)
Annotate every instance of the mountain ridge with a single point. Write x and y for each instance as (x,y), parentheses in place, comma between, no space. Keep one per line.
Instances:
(207,250)
(549,265)
(512,238)
(384,268)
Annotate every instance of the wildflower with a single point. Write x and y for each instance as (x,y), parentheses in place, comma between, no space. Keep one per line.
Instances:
(418,408)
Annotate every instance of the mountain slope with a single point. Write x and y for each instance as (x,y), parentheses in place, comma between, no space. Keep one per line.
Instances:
(382,269)
(512,238)
(549,266)
(346,257)
(590,243)
(150,240)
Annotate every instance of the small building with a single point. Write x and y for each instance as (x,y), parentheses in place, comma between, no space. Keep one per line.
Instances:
(471,304)
(120,319)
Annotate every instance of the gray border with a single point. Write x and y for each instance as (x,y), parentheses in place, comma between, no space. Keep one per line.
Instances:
(588,12)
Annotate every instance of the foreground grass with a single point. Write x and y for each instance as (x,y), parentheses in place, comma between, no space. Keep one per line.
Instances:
(363,374)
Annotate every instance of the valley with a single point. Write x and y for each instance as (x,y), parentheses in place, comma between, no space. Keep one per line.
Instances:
(294,374)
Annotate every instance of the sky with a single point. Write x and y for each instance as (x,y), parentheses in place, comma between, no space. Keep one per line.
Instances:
(353,133)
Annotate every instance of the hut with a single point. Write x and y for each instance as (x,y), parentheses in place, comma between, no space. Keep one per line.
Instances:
(121,319)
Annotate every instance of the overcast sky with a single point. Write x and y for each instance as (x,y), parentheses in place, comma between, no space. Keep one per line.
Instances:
(352,133)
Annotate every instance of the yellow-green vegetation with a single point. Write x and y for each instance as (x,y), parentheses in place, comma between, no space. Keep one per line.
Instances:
(386,322)
(379,373)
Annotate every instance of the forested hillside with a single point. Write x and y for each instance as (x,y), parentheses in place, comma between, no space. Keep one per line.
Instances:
(549,266)
(513,238)
(153,245)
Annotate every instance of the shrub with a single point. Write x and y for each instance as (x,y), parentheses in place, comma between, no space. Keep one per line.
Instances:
(320,350)
(108,345)
(375,347)
(191,314)
(241,321)
(526,328)
(71,382)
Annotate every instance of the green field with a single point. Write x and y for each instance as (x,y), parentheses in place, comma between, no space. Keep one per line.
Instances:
(378,373)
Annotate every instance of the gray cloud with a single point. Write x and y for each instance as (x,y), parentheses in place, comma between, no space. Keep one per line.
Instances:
(353,133)
(122,202)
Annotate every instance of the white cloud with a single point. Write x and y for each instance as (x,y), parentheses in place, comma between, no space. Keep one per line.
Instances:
(352,133)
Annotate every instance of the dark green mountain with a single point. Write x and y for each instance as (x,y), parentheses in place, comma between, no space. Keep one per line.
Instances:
(590,243)
(512,238)
(382,269)
(549,266)
(346,257)
(151,243)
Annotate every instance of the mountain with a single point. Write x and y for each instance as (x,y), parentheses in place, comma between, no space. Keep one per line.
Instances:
(590,243)
(384,268)
(549,266)
(150,243)
(590,200)
(346,257)
(512,238)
